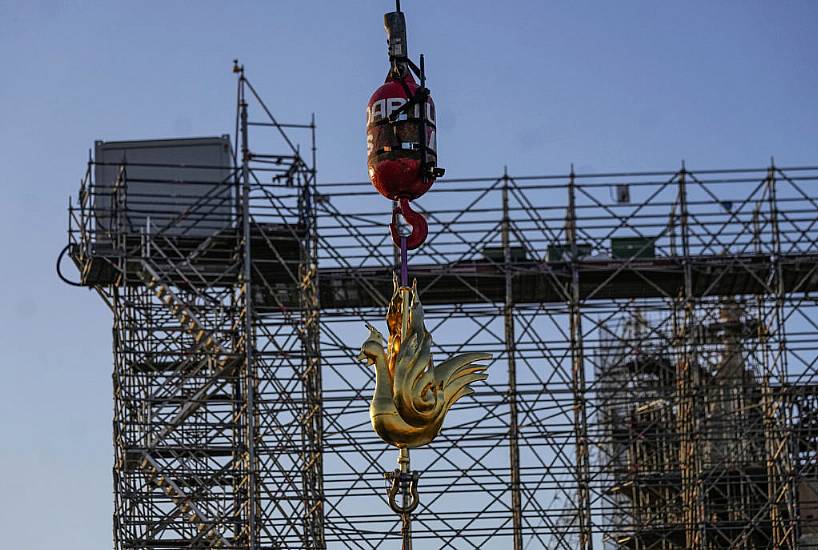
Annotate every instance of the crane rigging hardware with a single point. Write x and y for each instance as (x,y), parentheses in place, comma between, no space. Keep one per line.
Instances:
(402,134)
(412,396)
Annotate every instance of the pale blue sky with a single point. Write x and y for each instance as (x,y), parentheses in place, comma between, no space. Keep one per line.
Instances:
(620,85)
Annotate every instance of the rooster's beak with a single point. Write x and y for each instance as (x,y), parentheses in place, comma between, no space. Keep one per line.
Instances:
(362,356)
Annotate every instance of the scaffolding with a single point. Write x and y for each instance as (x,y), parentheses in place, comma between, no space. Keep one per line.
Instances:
(217,404)
(653,334)
(654,343)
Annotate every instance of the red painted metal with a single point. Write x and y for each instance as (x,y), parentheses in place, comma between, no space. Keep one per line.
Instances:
(394,151)
(420,228)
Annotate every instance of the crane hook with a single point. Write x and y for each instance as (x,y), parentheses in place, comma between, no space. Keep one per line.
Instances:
(420,228)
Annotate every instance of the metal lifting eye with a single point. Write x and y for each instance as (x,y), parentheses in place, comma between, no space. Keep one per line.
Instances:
(398,479)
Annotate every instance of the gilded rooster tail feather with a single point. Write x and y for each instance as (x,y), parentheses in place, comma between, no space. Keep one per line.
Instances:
(451,368)
(461,387)
(415,397)
(464,391)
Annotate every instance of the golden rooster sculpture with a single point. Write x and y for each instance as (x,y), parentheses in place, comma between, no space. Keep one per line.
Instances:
(412,396)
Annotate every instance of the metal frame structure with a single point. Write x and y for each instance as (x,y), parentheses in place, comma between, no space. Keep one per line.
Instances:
(217,405)
(690,435)
(654,381)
